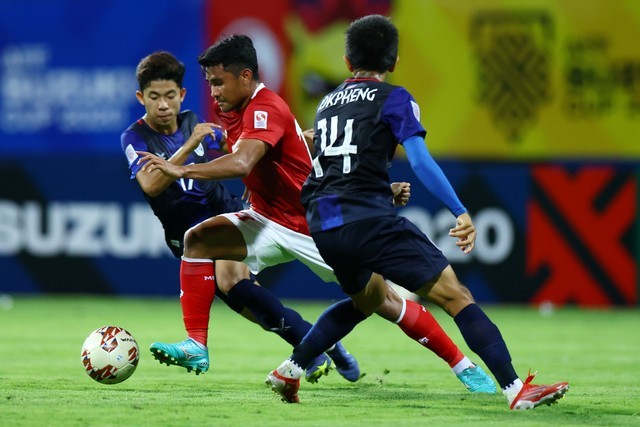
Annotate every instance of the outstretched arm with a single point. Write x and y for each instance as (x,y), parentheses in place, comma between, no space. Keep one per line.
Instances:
(238,164)
(437,183)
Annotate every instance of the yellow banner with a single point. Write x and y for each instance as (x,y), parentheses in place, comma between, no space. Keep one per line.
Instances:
(503,79)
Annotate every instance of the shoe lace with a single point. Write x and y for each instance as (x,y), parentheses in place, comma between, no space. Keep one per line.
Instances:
(530,377)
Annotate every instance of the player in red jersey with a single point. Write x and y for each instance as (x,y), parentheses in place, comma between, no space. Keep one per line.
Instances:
(268,150)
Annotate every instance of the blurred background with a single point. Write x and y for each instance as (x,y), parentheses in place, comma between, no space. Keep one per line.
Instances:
(532,108)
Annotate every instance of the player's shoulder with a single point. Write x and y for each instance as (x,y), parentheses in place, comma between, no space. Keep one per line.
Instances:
(399,94)
(135,128)
(268,102)
(189,117)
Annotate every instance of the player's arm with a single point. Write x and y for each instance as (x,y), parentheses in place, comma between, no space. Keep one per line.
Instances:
(237,164)
(155,182)
(430,174)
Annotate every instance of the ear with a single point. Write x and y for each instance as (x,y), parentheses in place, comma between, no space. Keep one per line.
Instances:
(140,97)
(394,65)
(348,63)
(183,93)
(247,75)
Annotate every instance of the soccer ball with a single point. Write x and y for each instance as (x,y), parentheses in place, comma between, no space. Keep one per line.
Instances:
(110,355)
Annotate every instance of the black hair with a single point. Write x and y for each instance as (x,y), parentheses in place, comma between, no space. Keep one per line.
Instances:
(371,44)
(234,53)
(159,65)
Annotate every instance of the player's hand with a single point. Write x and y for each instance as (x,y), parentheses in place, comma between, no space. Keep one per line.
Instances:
(152,162)
(465,232)
(203,129)
(401,193)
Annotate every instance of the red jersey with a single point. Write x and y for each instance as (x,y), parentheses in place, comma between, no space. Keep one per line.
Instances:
(276,180)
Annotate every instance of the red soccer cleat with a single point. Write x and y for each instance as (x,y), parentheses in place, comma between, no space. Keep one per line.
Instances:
(287,388)
(532,396)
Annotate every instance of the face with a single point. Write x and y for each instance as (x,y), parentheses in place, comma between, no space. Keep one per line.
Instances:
(162,100)
(232,92)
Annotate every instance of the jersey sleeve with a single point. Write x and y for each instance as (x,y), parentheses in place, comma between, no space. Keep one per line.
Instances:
(402,113)
(131,142)
(263,121)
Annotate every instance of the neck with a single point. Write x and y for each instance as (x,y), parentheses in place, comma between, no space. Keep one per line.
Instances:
(363,74)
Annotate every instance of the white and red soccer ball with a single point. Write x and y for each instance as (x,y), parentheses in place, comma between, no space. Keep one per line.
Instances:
(110,355)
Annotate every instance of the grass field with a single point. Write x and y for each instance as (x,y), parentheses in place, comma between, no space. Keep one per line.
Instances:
(42,382)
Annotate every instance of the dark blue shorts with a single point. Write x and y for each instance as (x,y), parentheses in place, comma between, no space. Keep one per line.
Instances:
(390,246)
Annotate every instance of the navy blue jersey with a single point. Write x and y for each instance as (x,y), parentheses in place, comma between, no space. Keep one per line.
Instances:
(186,202)
(357,129)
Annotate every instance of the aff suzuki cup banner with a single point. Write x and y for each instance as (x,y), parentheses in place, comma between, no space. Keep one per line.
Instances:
(531,107)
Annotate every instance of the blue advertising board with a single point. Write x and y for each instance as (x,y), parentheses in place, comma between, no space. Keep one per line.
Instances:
(67,69)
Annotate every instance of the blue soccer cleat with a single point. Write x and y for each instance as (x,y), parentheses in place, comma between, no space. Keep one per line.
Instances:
(345,363)
(189,354)
(318,367)
(476,380)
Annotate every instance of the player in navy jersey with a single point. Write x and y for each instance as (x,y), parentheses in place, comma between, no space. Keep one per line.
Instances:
(180,204)
(357,231)
(267,149)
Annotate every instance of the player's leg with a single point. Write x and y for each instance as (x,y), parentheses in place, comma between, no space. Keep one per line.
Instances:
(332,325)
(420,325)
(413,319)
(235,280)
(269,243)
(484,338)
(197,290)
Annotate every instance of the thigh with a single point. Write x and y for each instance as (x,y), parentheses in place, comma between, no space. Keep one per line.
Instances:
(303,248)
(215,238)
(261,242)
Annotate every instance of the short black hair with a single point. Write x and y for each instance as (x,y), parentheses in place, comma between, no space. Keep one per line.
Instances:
(371,43)
(234,53)
(159,65)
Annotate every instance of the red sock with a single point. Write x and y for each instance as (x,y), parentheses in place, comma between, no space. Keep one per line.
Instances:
(420,325)
(197,290)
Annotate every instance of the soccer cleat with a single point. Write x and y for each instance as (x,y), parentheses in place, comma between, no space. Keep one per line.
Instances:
(345,363)
(476,380)
(189,354)
(532,396)
(287,388)
(317,368)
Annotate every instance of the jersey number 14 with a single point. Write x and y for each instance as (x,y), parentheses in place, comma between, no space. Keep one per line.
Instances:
(331,149)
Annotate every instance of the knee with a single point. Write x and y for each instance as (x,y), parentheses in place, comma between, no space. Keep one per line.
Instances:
(229,273)
(391,307)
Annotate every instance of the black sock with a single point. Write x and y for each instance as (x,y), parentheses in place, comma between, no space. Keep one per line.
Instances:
(332,325)
(270,312)
(483,338)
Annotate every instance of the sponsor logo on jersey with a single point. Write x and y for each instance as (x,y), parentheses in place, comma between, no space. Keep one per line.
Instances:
(416,110)
(260,119)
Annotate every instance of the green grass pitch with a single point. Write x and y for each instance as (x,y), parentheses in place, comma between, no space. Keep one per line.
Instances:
(42,381)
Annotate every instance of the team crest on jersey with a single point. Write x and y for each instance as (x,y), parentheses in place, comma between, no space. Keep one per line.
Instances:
(260,119)
(416,110)
(131,154)
(199,150)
